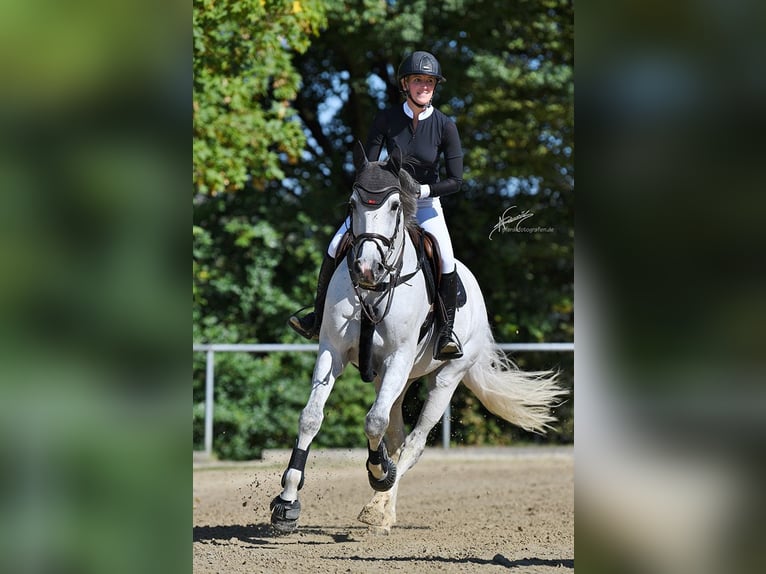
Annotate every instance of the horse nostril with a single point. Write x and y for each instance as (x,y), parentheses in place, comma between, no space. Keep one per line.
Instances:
(358,266)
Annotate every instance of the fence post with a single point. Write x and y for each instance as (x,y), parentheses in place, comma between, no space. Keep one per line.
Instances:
(210,364)
(446,430)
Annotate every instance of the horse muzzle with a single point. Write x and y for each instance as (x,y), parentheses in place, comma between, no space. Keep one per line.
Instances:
(366,274)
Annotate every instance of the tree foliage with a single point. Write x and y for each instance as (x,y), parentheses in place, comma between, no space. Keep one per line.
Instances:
(282,90)
(244,83)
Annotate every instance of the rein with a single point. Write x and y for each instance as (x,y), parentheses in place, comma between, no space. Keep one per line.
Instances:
(393,270)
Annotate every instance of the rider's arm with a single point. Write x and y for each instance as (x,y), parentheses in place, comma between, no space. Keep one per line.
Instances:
(453,163)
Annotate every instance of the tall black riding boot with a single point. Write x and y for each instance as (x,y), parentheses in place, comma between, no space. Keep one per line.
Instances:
(447,344)
(309,325)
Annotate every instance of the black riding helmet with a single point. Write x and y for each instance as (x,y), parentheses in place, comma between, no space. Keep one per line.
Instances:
(422,63)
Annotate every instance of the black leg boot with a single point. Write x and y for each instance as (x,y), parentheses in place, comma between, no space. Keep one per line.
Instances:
(309,325)
(447,344)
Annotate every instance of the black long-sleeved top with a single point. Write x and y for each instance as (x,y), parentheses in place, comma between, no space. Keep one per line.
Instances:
(434,136)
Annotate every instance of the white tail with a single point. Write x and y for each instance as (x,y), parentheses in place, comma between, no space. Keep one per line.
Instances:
(524,398)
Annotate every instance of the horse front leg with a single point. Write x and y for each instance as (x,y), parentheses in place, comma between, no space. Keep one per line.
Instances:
(380,513)
(286,507)
(381,470)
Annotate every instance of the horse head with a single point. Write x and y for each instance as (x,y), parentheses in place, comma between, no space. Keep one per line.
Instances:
(381,205)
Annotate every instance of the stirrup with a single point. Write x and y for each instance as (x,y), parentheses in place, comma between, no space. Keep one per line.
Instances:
(449,348)
(305,327)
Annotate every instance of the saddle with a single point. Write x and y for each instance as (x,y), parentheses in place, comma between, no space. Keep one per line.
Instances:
(429,257)
(429,261)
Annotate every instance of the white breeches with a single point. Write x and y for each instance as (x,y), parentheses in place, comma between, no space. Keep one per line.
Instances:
(431,218)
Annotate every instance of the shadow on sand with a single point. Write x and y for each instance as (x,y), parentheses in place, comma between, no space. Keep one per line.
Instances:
(264,534)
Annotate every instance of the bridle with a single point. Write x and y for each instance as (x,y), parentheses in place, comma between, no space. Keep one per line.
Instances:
(385,247)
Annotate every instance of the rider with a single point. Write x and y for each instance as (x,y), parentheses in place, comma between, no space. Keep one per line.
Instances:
(423,133)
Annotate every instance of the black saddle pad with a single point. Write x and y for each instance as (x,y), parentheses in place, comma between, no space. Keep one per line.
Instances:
(462,297)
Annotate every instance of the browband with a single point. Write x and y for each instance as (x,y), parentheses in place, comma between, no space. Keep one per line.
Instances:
(376,197)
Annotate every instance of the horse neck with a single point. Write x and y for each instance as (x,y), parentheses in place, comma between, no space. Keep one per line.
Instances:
(403,241)
(403,248)
(410,261)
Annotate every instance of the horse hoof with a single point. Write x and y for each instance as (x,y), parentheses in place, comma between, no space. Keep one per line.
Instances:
(376,520)
(284,515)
(385,483)
(371,516)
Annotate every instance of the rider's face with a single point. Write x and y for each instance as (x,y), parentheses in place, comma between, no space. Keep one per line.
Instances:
(420,88)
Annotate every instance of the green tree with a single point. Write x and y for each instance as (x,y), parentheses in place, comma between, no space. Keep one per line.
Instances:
(244,84)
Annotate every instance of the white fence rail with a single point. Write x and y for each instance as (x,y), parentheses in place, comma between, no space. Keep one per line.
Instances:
(212,348)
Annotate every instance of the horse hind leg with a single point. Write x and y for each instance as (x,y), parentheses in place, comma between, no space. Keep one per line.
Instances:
(441,387)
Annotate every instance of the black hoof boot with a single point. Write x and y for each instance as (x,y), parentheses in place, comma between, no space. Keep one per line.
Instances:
(380,457)
(385,483)
(284,514)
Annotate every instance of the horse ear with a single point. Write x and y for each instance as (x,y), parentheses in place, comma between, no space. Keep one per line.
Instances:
(360,158)
(395,160)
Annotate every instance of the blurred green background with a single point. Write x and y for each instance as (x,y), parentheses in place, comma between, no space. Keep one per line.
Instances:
(94,229)
(94,420)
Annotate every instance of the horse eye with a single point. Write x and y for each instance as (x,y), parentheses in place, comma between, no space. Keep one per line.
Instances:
(352,205)
(395,206)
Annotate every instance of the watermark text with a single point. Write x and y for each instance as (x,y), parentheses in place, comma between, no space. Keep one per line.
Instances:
(505,223)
